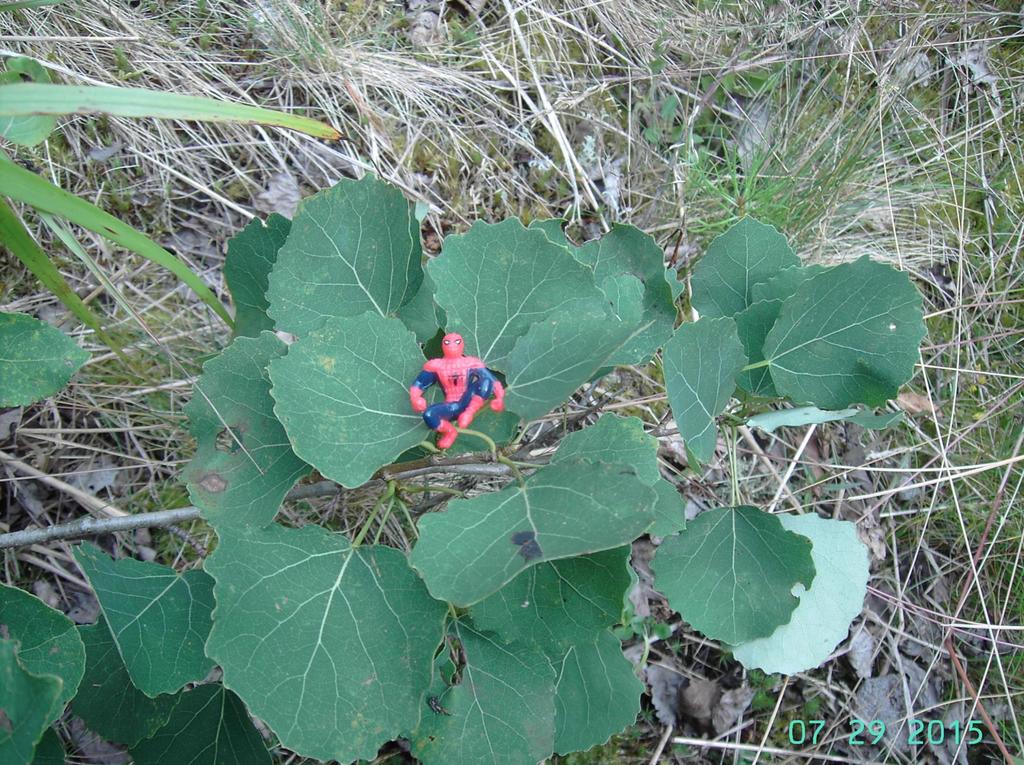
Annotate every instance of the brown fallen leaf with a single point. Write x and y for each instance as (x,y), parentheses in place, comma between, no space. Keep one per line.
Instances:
(915,403)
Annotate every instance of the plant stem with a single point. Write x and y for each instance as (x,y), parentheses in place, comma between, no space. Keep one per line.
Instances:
(88,526)
(492,447)
(385,497)
(756,365)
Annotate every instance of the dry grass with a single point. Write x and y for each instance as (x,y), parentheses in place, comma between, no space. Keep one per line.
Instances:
(893,132)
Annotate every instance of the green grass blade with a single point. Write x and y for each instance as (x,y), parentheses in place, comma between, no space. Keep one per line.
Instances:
(24,99)
(24,186)
(19,241)
(4,7)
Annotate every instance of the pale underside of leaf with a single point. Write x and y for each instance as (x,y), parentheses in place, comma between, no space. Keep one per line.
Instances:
(822,619)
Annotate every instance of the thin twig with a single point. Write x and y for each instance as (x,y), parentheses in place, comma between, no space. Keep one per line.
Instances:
(89,526)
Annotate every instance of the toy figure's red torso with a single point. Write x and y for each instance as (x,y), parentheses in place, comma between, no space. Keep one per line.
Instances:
(451,374)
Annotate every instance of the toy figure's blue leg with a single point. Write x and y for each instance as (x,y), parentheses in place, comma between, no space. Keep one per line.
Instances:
(447,410)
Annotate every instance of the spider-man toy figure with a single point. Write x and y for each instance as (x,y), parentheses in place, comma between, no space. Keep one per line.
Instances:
(467,384)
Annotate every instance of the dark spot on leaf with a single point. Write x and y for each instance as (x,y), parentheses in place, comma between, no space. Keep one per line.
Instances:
(213,483)
(229,439)
(627,471)
(108,229)
(522,537)
(4,633)
(528,547)
(435,706)
(5,722)
(531,551)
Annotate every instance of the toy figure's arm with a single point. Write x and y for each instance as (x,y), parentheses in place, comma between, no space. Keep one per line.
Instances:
(423,380)
(484,383)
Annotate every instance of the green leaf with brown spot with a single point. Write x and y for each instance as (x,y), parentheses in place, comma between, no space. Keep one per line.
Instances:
(244,464)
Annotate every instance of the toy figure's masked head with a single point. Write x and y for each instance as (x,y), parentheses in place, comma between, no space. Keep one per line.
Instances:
(452,345)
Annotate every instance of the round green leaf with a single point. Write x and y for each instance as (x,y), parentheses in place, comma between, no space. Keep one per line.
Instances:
(244,465)
(836,597)
(748,253)
(354,247)
(502,712)
(209,726)
(158,618)
(28,704)
(848,335)
(557,603)
(37,360)
(107,701)
(328,644)
(701,363)
(48,641)
(342,395)
(496,280)
(251,255)
(730,574)
(572,508)
(596,693)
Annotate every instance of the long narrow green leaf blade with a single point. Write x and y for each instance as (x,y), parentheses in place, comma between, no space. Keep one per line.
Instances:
(4,7)
(24,186)
(24,99)
(19,242)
